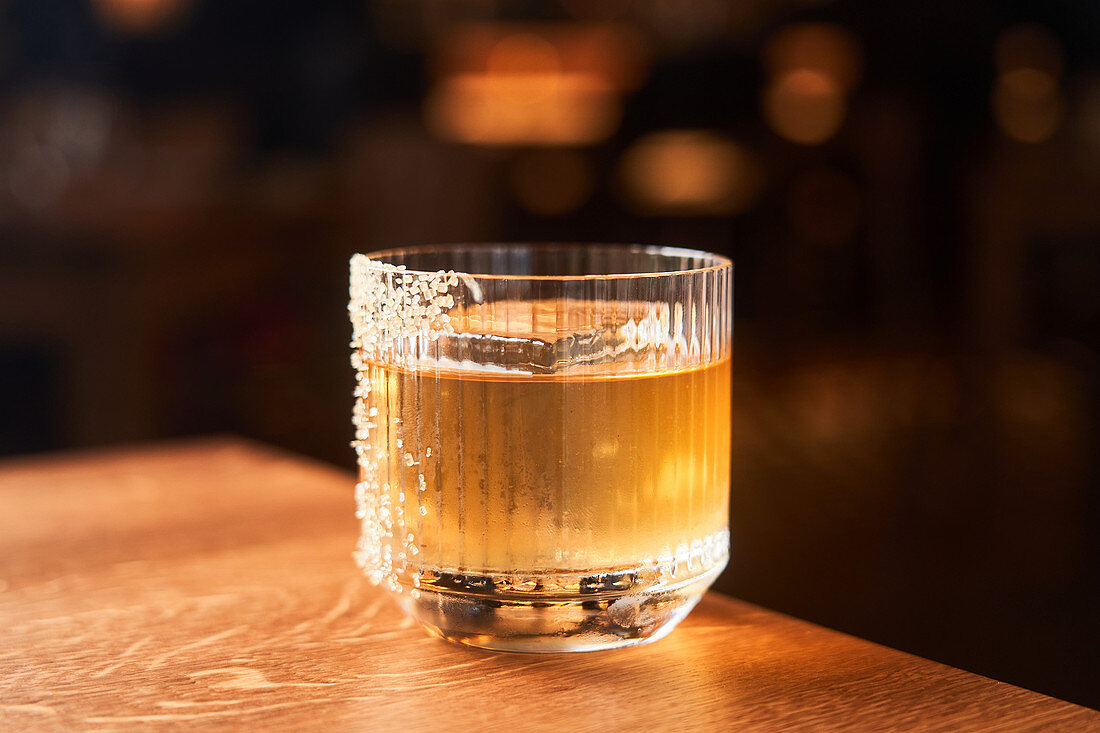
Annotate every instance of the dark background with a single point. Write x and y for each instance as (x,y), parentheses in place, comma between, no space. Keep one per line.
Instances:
(911,192)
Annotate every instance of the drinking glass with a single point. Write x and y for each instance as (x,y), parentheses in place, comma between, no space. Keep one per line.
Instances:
(543,438)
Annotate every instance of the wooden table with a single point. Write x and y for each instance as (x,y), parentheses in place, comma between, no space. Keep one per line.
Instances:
(210,583)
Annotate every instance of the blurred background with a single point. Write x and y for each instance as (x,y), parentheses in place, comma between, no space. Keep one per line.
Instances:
(911,192)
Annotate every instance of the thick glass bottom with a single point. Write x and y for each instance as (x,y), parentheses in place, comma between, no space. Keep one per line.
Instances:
(553,613)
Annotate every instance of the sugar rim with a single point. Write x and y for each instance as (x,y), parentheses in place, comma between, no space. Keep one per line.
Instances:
(377,259)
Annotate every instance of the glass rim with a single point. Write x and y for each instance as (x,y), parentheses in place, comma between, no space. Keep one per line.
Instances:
(716,261)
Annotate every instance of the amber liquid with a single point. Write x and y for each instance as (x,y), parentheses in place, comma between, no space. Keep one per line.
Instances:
(492,473)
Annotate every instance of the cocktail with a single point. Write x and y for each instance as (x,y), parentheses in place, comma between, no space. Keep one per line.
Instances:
(543,437)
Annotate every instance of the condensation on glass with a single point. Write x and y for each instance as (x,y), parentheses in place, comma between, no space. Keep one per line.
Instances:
(543,438)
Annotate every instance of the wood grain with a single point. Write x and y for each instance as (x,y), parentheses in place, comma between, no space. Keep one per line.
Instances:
(209,584)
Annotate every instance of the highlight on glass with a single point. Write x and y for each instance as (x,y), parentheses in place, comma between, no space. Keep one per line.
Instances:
(543,437)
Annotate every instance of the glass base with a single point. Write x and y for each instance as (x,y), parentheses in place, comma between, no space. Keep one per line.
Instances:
(553,613)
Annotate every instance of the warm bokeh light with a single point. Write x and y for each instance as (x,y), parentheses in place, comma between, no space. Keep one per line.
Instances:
(532,84)
(1027,105)
(804,106)
(140,16)
(825,48)
(516,109)
(551,182)
(689,172)
(523,53)
(615,54)
(1028,46)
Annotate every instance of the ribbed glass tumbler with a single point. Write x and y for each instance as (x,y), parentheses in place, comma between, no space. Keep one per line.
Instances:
(543,436)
